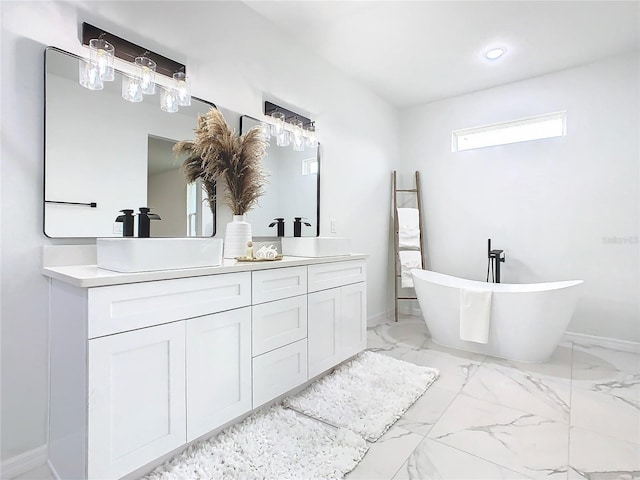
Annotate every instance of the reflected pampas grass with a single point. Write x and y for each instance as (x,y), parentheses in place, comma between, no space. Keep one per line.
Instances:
(218,153)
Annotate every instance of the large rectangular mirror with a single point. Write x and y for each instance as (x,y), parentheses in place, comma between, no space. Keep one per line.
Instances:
(293,189)
(104,154)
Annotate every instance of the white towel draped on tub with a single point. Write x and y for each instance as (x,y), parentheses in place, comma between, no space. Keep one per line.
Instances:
(475,313)
(409,259)
(408,228)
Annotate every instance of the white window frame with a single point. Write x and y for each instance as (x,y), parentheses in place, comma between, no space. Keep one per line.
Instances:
(549,125)
(310,166)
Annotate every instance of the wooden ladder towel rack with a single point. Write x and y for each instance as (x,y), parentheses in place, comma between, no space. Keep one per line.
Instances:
(396,240)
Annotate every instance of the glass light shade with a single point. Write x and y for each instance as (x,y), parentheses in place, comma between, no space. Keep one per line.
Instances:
(282,139)
(89,75)
(298,140)
(298,145)
(169,99)
(278,126)
(131,88)
(101,53)
(265,131)
(311,136)
(183,88)
(146,69)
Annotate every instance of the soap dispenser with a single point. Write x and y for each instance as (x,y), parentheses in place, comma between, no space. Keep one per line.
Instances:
(280,222)
(127,221)
(144,222)
(297,226)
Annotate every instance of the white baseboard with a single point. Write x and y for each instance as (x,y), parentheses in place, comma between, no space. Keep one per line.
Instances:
(24,462)
(606,342)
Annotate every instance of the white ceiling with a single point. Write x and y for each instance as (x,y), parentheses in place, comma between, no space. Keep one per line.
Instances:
(414,52)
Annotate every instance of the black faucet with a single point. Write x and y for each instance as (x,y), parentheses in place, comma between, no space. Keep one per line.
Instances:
(496,257)
(297,226)
(280,222)
(127,220)
(144,224)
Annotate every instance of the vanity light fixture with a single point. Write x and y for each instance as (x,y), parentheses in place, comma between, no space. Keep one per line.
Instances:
(282,139)
(290,127)
(131,88)
(298,139)
(139,70)
(183,88)
(277,127)
(169,100)
(101,55)
(311,138)
(146,72)
(89,76)
(265,129)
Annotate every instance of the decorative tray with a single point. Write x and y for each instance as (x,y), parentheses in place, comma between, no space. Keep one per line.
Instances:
(246,259)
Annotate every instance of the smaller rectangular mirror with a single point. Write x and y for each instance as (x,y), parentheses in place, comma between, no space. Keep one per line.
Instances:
(293,189)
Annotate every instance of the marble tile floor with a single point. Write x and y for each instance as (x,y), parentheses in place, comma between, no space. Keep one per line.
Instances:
(575,417)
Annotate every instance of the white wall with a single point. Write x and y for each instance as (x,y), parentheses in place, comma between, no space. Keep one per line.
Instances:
(550,204)
(235,58)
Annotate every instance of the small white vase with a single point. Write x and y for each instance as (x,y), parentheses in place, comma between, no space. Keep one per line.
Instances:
(236,236)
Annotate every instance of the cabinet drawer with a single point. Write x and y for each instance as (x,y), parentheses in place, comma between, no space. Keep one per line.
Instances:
(330,275)
(279,323)
(278,371)
(119,308)
(278,283)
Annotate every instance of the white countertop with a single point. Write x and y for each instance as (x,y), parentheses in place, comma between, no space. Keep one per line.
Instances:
(92,276)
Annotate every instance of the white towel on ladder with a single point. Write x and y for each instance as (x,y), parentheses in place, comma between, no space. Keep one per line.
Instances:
(408,228)
(475,313)
(409,259)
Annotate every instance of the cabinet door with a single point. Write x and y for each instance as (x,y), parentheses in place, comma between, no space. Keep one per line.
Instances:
(218,370)
(353,324)
(278,371)
(136,398)
(323,328)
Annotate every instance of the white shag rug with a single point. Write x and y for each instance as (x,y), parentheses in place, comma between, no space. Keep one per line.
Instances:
(275,443)
(366,395)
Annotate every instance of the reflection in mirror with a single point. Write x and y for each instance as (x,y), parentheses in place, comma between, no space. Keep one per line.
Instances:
(102,150)
(293,189)
(168,192)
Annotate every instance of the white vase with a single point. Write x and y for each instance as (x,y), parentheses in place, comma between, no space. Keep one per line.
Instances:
(236,236)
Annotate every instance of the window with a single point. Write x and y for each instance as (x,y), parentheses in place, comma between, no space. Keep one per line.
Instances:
(532,128)
(309,166)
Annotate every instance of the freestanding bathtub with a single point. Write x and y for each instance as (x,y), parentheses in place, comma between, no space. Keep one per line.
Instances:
(527,321)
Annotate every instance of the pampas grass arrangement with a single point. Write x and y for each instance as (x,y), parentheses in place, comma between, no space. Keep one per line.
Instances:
(218,153)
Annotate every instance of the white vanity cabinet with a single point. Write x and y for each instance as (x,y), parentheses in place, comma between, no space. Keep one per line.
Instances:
(337,314)
(143,364)
(138,370)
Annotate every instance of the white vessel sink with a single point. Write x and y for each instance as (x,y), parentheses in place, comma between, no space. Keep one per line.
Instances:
(315,246)
(129,254)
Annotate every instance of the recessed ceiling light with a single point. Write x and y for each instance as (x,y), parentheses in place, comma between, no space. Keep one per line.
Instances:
(494,53)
